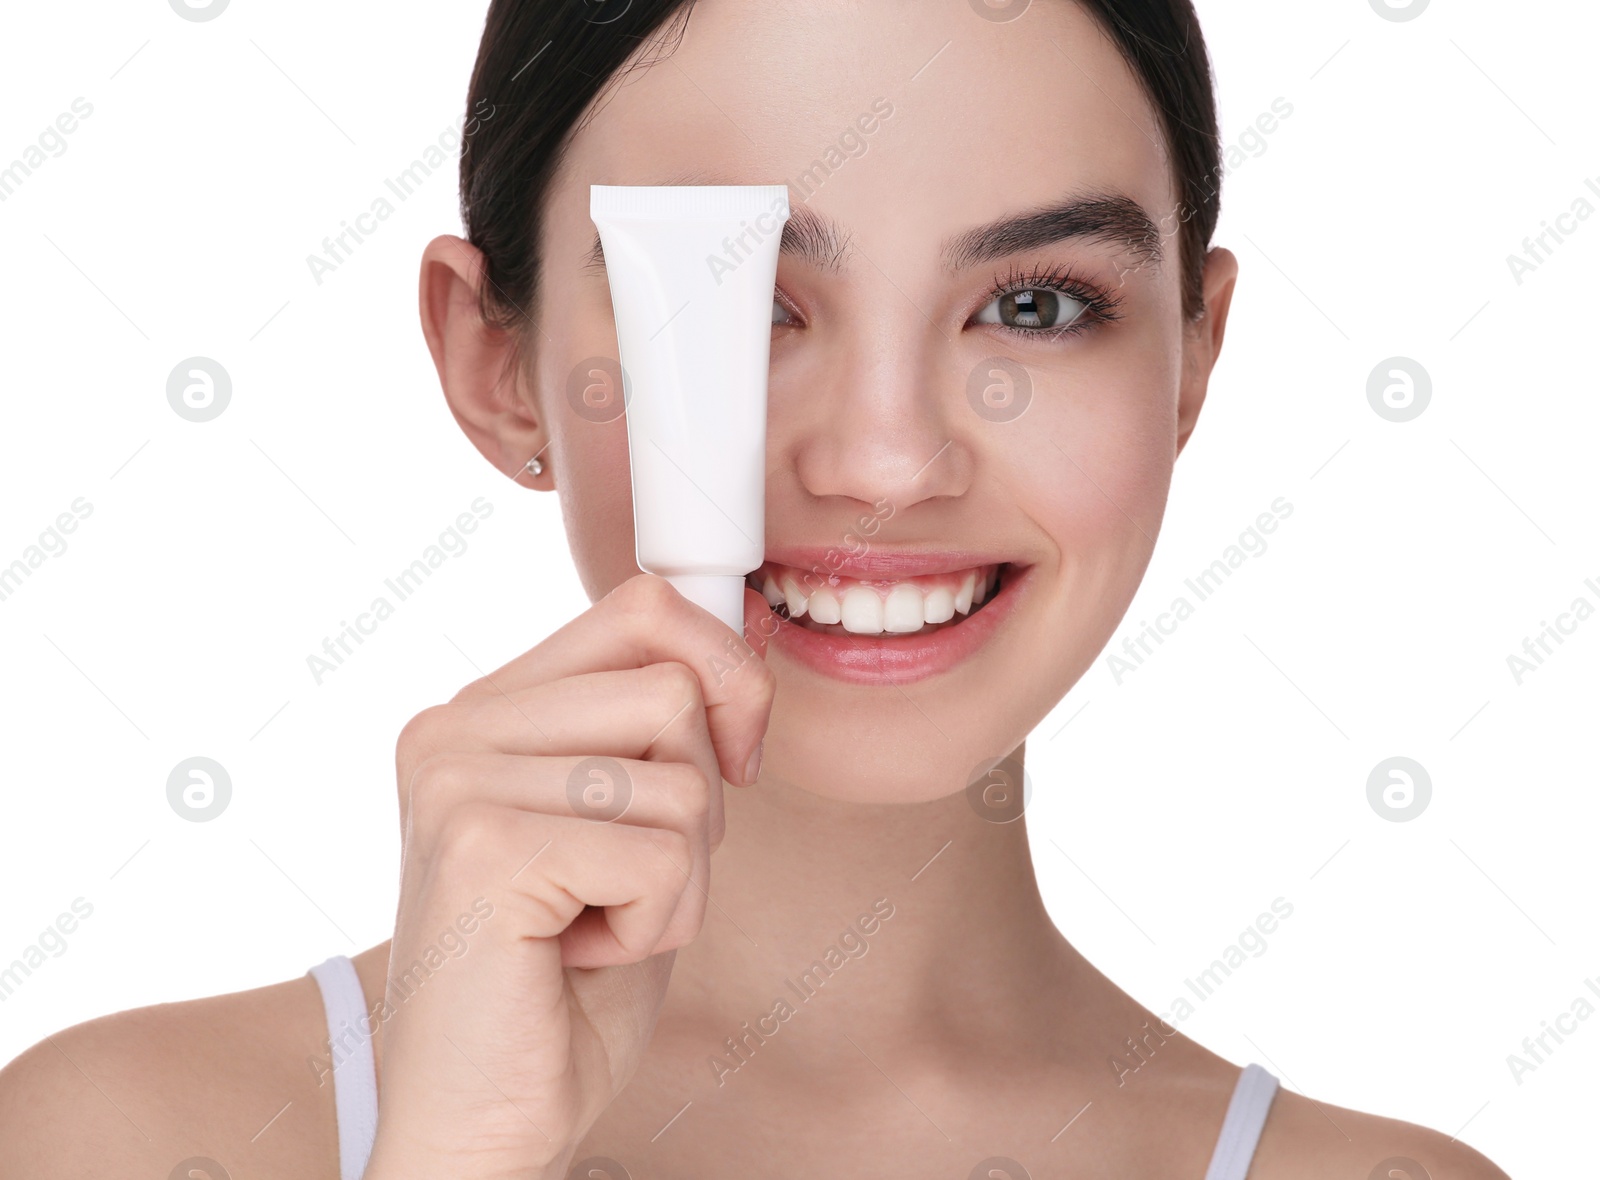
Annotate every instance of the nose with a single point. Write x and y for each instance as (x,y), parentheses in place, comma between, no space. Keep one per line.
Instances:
(874,412)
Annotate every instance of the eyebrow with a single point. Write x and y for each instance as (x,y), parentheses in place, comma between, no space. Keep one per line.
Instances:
(1112,218)
(1104,217)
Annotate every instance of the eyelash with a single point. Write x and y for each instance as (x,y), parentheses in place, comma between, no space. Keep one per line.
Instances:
(1099,307)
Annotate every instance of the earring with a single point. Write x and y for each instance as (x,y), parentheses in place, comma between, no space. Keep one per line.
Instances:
(533,466)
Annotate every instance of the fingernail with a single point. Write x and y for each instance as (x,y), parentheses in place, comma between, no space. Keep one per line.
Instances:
(753,767)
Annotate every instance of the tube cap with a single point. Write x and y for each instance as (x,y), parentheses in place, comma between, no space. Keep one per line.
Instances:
(721,594)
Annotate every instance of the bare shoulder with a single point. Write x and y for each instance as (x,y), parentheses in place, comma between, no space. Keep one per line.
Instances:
(1309,1140)
(231,1079)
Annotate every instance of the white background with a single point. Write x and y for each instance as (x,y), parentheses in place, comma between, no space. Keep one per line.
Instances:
(1228,770)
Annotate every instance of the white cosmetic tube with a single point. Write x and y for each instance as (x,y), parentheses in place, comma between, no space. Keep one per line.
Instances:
(692,270)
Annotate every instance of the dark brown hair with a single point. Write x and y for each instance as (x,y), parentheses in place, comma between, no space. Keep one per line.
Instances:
(542,64)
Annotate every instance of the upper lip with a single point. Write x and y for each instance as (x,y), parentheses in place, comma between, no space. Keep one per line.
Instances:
(880,561)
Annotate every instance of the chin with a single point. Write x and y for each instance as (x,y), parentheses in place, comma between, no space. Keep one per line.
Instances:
(854,725)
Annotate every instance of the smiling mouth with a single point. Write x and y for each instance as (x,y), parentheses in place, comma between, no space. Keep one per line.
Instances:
(835,604)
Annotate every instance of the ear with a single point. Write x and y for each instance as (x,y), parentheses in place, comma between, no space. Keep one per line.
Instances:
(476,362)
(1203,338)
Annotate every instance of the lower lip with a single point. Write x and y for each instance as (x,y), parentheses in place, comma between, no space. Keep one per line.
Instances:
(890,659)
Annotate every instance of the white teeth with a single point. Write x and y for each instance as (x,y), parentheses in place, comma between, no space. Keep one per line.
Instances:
(964,595)
(824,605)
(861,611)
(794,597)
(869,610)
(902,610)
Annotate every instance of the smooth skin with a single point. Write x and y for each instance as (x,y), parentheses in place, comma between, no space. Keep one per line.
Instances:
(971,1028)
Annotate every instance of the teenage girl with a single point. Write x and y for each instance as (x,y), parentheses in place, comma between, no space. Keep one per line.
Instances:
(680,903)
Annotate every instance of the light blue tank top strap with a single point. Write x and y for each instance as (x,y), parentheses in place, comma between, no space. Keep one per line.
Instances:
(1241,1126)
(355,1072)
(355,1084)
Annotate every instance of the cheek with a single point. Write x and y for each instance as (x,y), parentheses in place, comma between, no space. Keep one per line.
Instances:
(1107,434)
(588,446)
(1095,481)
(590,462)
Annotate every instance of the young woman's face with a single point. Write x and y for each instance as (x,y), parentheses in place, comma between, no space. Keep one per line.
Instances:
(906,130)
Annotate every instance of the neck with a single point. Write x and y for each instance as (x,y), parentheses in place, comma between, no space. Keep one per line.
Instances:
(888,915)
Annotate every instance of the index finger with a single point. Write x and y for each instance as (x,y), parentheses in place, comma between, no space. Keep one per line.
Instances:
(646,621)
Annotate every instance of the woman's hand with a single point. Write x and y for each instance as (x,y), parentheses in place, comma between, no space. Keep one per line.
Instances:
(497,1064)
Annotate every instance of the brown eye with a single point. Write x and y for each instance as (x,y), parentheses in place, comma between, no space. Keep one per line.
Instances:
(1033,308)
